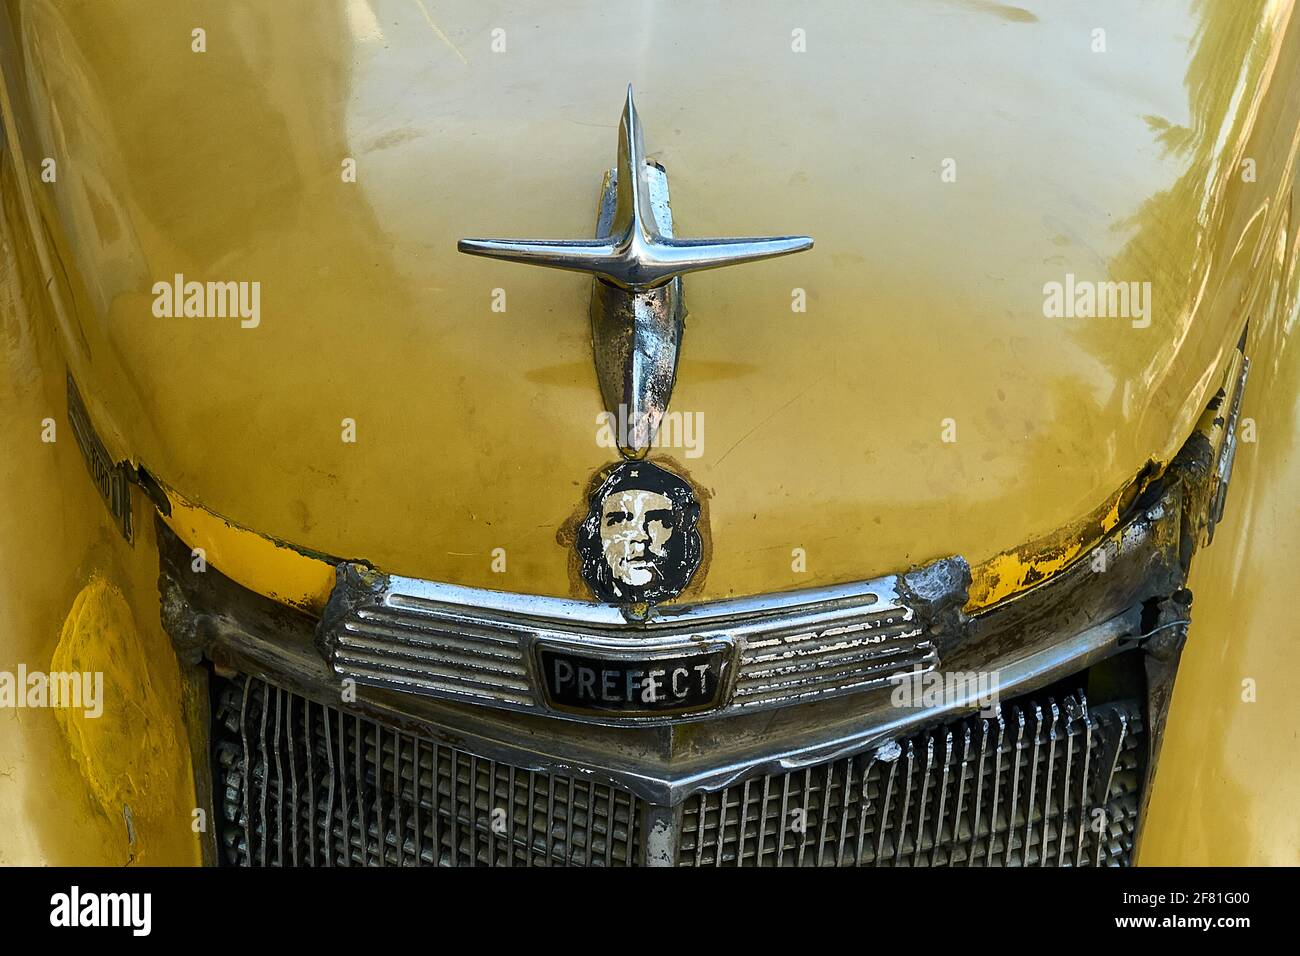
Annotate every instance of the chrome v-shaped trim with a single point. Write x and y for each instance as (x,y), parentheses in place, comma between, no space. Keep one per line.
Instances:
(637,254)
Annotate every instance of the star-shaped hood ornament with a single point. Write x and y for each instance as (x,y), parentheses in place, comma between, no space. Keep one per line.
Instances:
(636,308)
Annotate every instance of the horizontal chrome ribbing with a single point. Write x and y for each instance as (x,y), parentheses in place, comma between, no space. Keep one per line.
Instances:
(479,646)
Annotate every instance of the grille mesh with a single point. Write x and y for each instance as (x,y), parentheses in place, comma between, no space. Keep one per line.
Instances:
(1022,789)
(302,784)
(1042,784)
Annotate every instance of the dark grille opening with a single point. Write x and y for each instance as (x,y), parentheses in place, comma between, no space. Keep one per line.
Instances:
(300,783)
(1049,782)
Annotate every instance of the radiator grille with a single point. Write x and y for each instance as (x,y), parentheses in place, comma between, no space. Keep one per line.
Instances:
(1044,784)
(302,784)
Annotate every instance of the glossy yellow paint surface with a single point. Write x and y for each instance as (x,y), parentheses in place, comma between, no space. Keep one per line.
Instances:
(1229,774)
(823,429)
(477,429)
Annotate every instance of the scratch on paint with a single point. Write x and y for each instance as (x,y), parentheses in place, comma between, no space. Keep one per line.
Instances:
(764,422)
(438,30)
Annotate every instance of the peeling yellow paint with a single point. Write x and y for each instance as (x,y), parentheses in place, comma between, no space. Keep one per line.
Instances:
(1007,574)
(253,560)
(1011,572)
(134,756)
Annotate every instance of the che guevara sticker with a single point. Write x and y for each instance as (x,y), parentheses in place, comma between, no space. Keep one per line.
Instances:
(640,542)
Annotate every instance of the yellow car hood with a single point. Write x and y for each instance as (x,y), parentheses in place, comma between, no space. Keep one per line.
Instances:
(950,159)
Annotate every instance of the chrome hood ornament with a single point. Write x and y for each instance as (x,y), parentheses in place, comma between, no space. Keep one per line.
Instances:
(636,303)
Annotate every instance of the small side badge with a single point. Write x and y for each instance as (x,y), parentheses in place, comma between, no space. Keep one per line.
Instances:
(640,542)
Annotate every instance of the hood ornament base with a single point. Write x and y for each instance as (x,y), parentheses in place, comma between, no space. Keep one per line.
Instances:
(636,334)
(636,302)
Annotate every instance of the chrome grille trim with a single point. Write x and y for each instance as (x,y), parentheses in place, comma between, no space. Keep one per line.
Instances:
(476,645)
(795,664)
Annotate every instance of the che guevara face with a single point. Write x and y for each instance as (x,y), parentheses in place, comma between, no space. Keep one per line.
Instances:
(635,528)
(640,542)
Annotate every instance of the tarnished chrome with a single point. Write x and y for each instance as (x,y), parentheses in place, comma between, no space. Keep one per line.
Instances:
(481,646)
(636,304)
(636,335)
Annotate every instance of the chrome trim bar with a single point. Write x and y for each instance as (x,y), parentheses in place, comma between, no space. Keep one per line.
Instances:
(482,646)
